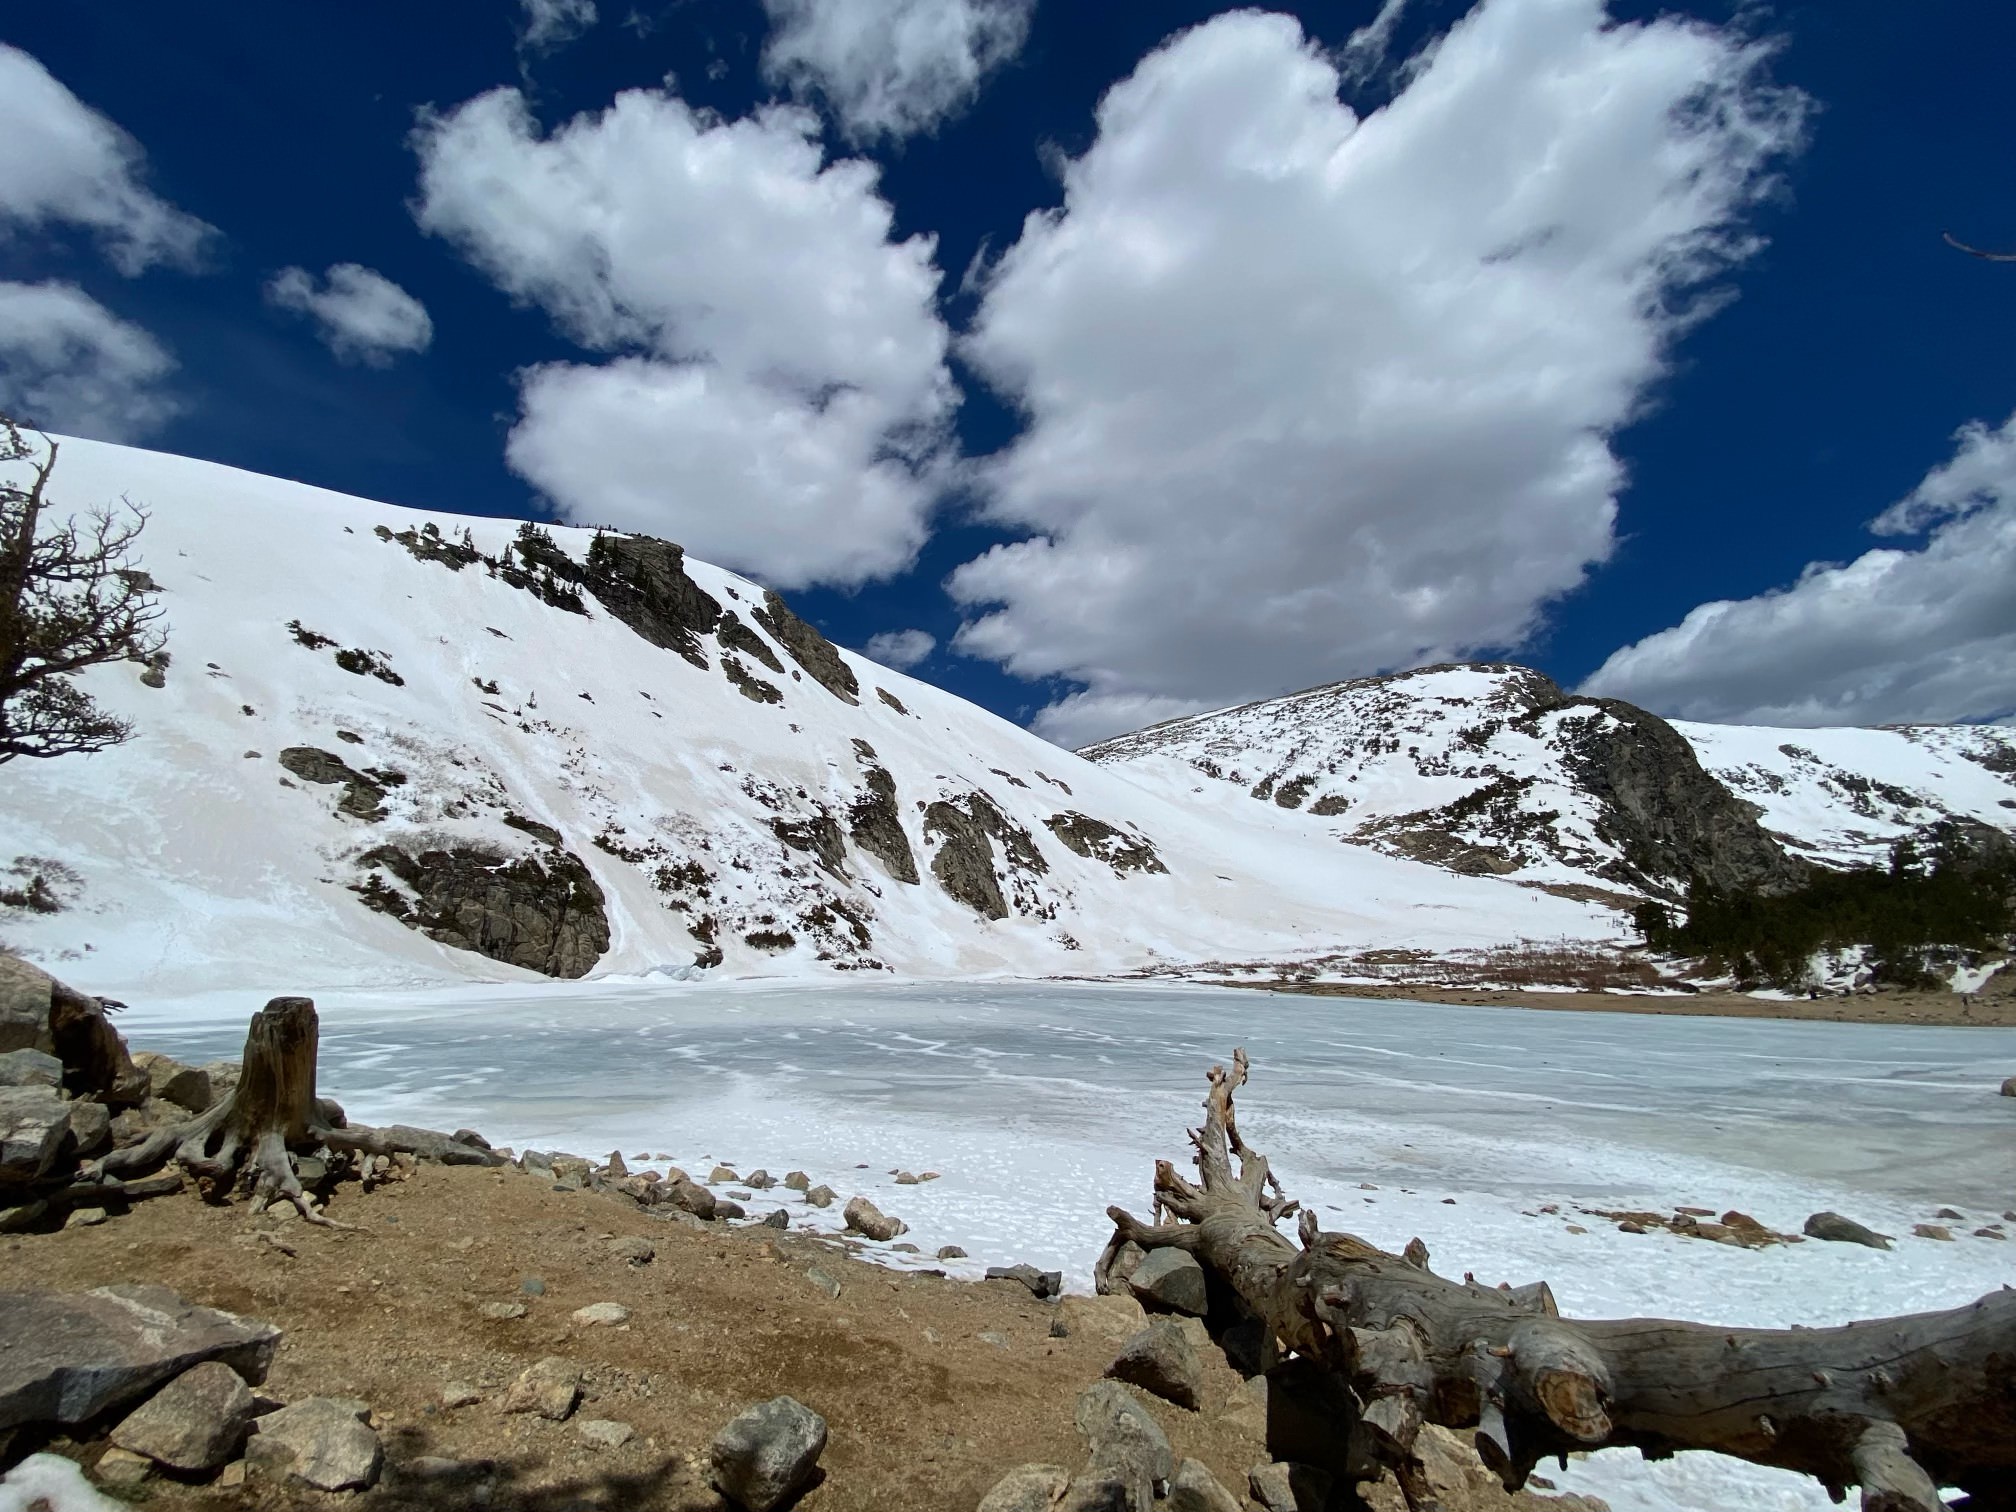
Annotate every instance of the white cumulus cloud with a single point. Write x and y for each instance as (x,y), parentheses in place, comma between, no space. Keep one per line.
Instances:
(778,398)
(67,363)
(360,314)
(62,163)
(901,649)
(891,68)
(1309,395)
(1922,634)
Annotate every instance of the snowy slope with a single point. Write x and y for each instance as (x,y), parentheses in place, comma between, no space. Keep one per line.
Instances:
(1841,797)
(1492,769)
(707,821)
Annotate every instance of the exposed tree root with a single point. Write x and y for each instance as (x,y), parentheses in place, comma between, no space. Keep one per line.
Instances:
(1897,1406)
(253,1136)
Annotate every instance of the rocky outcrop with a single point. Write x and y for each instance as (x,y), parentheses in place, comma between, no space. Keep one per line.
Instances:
(736,636)
(748,684)
(875,824)
(1670,820)
(363,797)
(819,836)
(543,912)
(642,581)
(819,657)
(1097,840)
(964,863)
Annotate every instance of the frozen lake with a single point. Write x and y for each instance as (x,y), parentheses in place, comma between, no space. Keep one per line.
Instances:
(1042,1103)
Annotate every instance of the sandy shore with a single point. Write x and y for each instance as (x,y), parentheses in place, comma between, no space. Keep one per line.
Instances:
(1947,1009)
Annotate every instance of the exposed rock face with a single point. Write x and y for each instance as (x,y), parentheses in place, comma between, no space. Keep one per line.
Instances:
(542,912)
(817,655)
(818,835)
(642,581)
(1097,840)
(363,798)
(874,823)
(65,1357)
(1662,810)
(964,863)
(750,686)
(736,636)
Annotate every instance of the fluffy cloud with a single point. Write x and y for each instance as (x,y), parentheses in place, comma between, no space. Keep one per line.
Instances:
(1895,636)
(891,68)
(779,401)
(62,163)
(901,649)
(67,363)
(1310,395)
(361,315)
(547,24)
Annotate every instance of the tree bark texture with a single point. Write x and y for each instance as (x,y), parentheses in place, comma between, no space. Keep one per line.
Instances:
(1897,1406)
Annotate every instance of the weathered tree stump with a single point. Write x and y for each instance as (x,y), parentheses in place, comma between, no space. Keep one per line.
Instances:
(1898,1406)
(272,1114)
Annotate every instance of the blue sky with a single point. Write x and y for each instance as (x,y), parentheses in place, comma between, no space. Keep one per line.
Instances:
(1347,337)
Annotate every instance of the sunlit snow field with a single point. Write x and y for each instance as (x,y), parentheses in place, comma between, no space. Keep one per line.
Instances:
(1041,1104)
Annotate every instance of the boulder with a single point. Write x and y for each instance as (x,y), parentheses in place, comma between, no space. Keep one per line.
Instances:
(721,1173)
(1290,1488)
(864,1218)
(688,1197)
(2009,1087)
(1122,1441)
(1194,1488)
(549,1388)
(188,1087)
(65,1357)
(820,1196)
(30,1068)
(34,1133)
(1043,1285)
(1246,1408)
(25,995)
(195,1422)
(1161,1359)
(768,1454)
(601,1315)
(1114,1318)
(325,1441)
(1172,1280)
(1932,1231)
(1841,1230)
(1126,1260)
(798,1181)
(632,1250)
(1028,1488)
(90,1127)
(759,1179)
(727,1207)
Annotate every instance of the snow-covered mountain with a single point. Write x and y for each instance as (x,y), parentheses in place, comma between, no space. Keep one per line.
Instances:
(392,747)
(1491,769)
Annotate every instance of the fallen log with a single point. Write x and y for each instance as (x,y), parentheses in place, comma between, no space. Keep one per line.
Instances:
(1897,1406)
(269,1118)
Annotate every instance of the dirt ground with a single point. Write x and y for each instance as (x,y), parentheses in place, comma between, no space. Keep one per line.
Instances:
(1931,1008)
(924,1411)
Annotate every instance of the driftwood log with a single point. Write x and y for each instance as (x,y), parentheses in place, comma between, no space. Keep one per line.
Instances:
(271,1117)
(1897,1406)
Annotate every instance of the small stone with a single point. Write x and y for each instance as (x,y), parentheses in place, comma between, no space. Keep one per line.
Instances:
(781,1219)
(761,1180)
(1629,1227)
(1172,1280)
(1122,1440)
(1932,1231)
(822,1280)
(84,1217)
(196,1422)
(1989,1233)
(1576,1228)
(720,1174)
(1735,1219)
(1844,1231)
(605,1433)
(1043,1285)
(460,1394)
(1161,1359)
(798,1181)
(501,1312)
(1059,1329)
(1193,1488)
(324,1441)
(232,1474)
(615,1168)
(1289,1488)
(724,1209)
(993,1336)
(820,1196)
(121,1467)
(549,1388)
(905,1178)
(767,1455)
(928,1175)
(1027,1488)
(1246,1408)
(864,1218)
(1696,1212)
(533,1286)
(1950,1213)
(601,1315)
(1113,1318)
(632,1250)
(951,1252)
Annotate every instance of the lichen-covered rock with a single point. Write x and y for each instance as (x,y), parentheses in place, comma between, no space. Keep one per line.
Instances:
(1099,841)
(875,824)
(642,581)
(819,657)
(542,911)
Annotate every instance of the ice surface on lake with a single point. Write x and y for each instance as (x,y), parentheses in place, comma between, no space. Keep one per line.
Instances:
(1043,1103)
